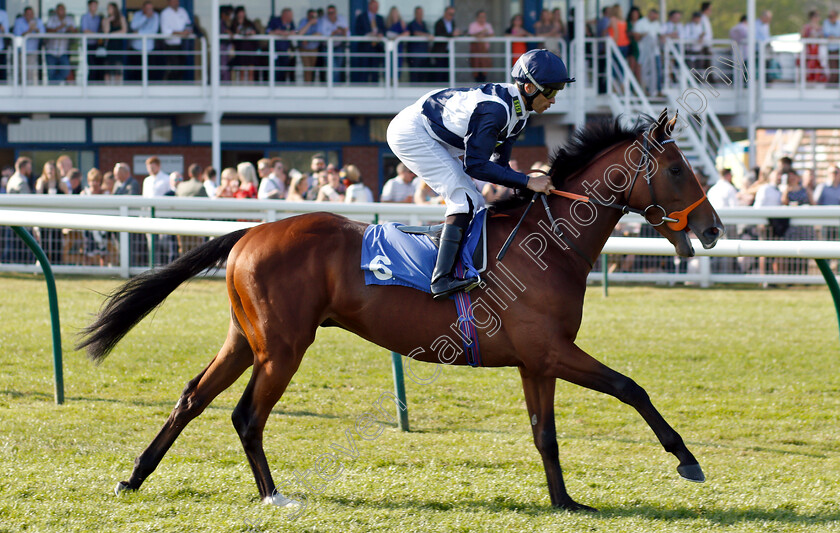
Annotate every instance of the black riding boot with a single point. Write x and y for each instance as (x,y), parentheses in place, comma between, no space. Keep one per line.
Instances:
(444,281)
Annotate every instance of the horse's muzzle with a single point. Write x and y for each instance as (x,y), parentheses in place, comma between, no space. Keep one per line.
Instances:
(710,236)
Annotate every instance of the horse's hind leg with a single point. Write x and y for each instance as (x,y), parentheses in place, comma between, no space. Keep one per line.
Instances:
(268,382)
(231,361)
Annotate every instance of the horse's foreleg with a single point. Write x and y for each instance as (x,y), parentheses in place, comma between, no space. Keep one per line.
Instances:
(232,360)
(576,366)
(539,397)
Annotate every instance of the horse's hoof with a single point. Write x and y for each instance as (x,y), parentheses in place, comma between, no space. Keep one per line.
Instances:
(576,507)
(692,473)
(121,487)
(280,501)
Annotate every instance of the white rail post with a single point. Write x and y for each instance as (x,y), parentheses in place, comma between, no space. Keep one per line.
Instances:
(125,247)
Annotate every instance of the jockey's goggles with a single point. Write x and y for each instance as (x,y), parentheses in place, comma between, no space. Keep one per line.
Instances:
(550,91)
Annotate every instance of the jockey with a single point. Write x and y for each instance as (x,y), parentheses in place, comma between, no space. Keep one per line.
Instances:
(479,125)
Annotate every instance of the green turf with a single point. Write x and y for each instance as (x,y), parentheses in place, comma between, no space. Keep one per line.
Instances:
(748,377)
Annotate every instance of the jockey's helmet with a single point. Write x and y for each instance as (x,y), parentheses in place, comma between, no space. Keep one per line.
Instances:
(544,70)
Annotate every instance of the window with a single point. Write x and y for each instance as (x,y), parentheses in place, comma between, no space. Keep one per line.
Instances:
(48,130)
(132,130)
(313,130)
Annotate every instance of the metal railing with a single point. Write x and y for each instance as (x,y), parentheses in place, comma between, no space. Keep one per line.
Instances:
(83,60)
(102,252)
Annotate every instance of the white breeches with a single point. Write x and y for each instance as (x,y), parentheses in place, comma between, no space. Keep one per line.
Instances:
(433,161)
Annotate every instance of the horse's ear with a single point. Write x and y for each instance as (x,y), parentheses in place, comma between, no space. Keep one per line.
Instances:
(672,124)
(659,130)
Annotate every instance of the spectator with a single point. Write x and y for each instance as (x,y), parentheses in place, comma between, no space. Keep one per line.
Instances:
(517,29)
(332,191)
(6,173)
(706,36)
(309,48)
(65,165)
(395,27)
(125,184)
(831,31)
(723,193)
(191,187)
(768,194)
(4,28)
(417,52)
(175,179)
(298,186)
(273,185)
(49,183)
(693,35)
(809,181)
(108,183)
(226,188)
(157,182)
(245,48)
(316,165)
(95,181)
(795,194)
(401,188)
(828,193)
(114,23)
(284,64)
(145,22)
(335,25)
(648,31)
(480,60)
(356,190)
(633,18)
(369,54)
(74,183)
(22,181)
(813,30)
(175,21)
(27,25)
(673,28)
(602,25)
(91,22)
(225,41)
(617,30)
(209,178)
(550,30)
(762,27)
(95,242)
(446,28)
(247,180)
(739,33)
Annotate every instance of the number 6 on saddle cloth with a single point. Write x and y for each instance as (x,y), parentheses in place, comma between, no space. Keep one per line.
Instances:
(394,254)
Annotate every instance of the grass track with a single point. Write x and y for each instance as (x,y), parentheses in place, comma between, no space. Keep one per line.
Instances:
(748,377)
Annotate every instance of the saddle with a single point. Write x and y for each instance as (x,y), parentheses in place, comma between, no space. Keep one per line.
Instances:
(479,256)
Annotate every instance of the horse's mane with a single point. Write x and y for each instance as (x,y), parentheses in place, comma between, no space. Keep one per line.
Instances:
(585,143)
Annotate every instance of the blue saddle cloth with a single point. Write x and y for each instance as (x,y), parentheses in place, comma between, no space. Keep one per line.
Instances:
(391,257)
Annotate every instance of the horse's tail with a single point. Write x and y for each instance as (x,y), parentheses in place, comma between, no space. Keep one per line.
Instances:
(131,302)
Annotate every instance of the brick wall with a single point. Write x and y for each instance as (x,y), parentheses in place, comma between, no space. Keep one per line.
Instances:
(526,156)
(367,159)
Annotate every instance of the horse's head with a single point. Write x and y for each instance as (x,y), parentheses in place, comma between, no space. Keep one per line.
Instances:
(674,195)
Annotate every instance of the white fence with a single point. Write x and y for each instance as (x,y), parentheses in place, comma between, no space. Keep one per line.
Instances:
(215,217)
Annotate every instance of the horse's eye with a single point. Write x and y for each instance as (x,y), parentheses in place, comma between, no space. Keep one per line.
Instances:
(675,170)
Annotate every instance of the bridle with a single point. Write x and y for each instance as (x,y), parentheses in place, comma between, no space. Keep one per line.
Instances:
(676,220)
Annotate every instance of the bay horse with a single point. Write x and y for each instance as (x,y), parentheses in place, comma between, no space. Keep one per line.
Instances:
(287,278)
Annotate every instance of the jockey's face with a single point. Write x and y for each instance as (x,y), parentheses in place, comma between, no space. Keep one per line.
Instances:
(540,103)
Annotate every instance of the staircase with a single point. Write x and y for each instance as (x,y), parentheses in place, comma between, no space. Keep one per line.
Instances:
(700,141)
(817,150)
